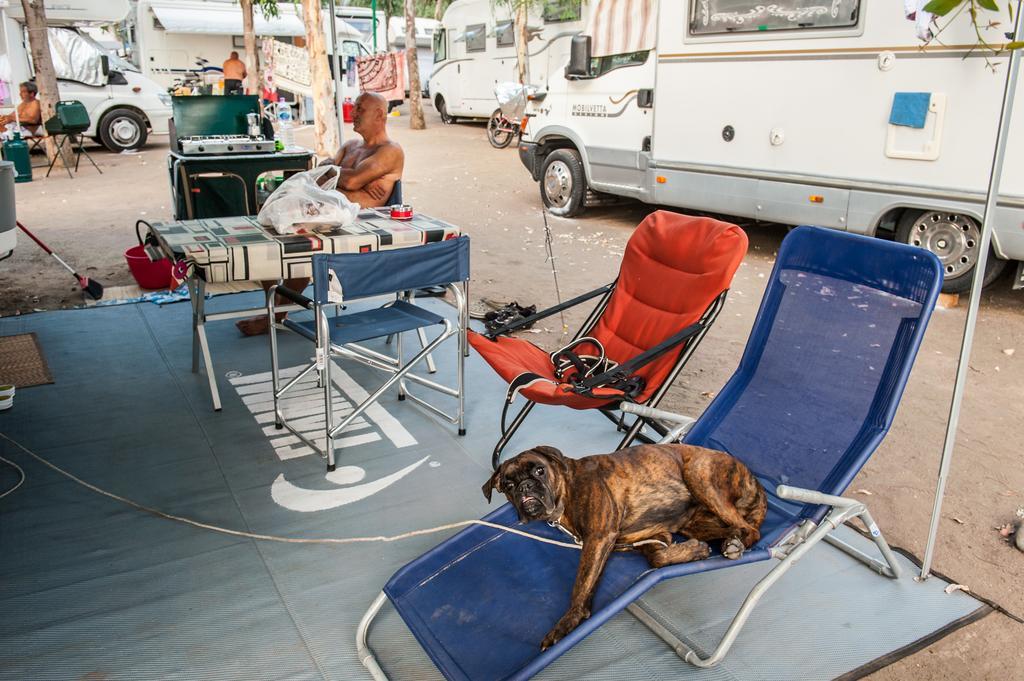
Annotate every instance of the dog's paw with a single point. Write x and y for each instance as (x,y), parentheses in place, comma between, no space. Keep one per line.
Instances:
(732,548)
(569,621)
(703,550)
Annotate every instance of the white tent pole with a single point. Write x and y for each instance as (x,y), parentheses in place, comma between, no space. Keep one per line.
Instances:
(337,76)
(988,224)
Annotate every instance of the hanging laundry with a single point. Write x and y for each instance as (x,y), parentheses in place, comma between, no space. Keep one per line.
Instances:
(914,11)
(383,74)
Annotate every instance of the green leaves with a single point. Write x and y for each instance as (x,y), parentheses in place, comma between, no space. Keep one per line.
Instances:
(942,7)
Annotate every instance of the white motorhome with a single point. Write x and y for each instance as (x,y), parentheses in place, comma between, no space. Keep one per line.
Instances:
(173,35)
(124,106)
(474,50)
(425,29)
(800,112)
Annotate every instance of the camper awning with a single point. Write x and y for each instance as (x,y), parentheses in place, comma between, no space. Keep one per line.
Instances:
(621,26)
(224,20)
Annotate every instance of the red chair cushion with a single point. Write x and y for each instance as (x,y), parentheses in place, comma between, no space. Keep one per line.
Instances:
(673,268)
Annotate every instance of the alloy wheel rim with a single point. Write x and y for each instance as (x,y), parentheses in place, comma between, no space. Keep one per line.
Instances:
(558,184)
(954,238)
(124,131)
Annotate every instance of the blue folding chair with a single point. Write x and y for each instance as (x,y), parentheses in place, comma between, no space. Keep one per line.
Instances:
(342,278)
(814,394)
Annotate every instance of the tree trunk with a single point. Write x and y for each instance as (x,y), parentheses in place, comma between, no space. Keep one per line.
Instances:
(415,98)
(42,61)
(324,118)
(522,48)
(437,10)
(252,57)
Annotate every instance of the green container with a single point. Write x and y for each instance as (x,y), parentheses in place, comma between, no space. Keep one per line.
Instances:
(16,151)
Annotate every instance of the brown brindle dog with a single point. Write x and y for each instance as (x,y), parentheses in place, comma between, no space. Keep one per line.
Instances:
(640,493)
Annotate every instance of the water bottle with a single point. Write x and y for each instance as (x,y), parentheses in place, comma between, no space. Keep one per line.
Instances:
(285,134)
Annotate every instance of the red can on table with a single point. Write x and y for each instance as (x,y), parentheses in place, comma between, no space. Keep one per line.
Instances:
(401,212)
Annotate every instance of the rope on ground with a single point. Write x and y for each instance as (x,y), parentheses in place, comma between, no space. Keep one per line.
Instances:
(265,537)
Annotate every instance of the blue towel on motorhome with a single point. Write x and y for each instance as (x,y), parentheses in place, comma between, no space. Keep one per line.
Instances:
(910,109)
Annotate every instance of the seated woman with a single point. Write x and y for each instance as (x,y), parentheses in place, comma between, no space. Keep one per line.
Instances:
(29,113)
(368,169)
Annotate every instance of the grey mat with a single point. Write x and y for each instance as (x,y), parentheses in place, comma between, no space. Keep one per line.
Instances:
(90,588)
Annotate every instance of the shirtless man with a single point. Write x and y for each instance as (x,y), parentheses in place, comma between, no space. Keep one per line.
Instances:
(29,112)
(368,170)
(234,74)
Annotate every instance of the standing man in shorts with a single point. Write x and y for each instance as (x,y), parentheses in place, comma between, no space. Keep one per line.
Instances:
(234,74)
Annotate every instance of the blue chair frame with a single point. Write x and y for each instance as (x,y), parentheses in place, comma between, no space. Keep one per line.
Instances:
(342,278)
(815,393)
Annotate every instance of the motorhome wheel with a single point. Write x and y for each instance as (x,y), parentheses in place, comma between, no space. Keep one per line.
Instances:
(563,184)
(442,110)
(123,129)
(955,238)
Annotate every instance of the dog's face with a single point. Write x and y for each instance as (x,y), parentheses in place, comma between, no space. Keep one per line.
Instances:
(533,481)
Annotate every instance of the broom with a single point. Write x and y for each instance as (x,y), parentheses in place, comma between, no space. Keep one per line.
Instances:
(90,286)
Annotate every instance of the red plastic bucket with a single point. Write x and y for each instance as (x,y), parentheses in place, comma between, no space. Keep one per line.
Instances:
(147,273)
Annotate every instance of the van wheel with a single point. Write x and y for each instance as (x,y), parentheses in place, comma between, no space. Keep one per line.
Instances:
(563,184)
(955,239)
(442,110)
(123,129)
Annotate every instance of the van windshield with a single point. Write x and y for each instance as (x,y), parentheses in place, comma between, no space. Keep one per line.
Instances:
(117,63)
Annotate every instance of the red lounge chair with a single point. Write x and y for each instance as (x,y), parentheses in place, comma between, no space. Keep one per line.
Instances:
(672,283)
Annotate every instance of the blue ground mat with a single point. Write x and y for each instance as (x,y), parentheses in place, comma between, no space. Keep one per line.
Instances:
(90,588)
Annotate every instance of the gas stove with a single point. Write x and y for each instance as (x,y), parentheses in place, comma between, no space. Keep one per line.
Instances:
(221,145)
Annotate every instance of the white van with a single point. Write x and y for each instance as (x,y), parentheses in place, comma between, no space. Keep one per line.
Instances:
(474,50)
(124,106)
(825,115)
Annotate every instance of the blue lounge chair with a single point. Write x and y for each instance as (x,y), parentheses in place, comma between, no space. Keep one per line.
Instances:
(814,394)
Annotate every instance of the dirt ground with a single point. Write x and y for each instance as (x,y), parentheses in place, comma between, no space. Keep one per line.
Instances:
(453,173)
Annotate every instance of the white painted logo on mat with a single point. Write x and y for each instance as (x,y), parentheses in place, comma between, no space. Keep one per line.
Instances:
(303,405)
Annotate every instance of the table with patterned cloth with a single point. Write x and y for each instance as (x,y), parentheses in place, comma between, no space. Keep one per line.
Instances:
(235,249)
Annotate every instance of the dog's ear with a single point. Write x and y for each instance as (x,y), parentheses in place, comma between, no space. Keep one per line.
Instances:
(551,454)
(491,484)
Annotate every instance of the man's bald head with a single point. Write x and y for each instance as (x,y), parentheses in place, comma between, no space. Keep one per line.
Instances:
(370,114)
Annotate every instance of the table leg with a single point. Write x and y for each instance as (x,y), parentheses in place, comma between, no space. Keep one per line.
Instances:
(192,286)
(204,344)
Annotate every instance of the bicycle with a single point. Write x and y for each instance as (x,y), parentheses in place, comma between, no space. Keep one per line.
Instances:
(501,130)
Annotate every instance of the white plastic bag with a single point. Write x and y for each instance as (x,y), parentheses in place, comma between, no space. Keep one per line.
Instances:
(309,198)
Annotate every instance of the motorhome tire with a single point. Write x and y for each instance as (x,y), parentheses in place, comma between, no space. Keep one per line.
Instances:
(442,111)
(955,238)
(123,129)
(563,184)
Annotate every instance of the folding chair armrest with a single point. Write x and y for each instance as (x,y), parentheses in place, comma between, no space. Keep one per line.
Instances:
(291,295)
(526,321)
(645,357)
(810,496)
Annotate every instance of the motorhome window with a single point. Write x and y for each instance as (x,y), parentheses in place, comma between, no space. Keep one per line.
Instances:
(476,38)
(440,46)
(505,33)
(238,41)
(602,65)
(351,48)
(708,17)
(562,10)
